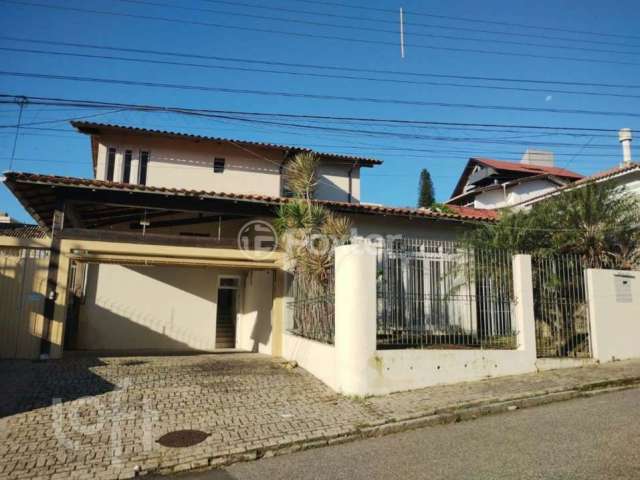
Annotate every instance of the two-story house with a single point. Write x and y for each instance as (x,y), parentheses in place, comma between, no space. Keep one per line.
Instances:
(488,183)
(151,254)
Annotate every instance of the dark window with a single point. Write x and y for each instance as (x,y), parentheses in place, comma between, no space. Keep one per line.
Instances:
(111,163)
(286,192)
(126,174)
(218,165)
(144,162)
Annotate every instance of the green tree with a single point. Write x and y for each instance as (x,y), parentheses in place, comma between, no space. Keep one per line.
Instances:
(597,221)
(426,193)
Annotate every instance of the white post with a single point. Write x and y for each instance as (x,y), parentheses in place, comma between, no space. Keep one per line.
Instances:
(524,313)
(625,137)
(355,317)
(594,321)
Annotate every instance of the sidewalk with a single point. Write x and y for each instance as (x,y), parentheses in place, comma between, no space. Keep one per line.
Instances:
(505,393)
(250,406)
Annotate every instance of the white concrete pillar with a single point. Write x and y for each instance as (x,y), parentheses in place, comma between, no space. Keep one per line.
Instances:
(524,313)
(355,317)
(594,320)
(101,162)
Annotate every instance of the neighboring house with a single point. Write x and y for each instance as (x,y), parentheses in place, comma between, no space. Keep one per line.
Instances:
(626,176)
(150,250)
(487,183)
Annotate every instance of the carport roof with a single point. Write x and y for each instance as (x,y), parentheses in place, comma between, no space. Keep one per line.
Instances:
(98,200)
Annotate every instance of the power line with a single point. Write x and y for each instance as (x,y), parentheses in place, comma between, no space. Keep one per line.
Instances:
(317,36)
(409,22)
(474,20)
(56,101)
(338,68)
(370,29)
(316,75)
(346,98)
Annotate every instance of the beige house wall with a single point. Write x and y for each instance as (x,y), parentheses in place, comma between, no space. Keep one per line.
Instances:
(365,225)
(170,308)
(188,164)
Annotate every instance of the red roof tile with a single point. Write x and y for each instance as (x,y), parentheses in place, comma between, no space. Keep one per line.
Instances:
(87,127)
(459,213)
(522,167)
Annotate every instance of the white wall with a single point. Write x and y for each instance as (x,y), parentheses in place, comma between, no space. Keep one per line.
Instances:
(397,370)
(514,194)
(319,359)
(253,330)
(131,308)
(614,311)
(333,183)
(188,164)
(361,369)
(170,308)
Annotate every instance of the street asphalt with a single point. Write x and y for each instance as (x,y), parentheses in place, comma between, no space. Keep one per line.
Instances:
(596,437)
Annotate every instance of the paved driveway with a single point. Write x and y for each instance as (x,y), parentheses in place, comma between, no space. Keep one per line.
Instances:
(99,417)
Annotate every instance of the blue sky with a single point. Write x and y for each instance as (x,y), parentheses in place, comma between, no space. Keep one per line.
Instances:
(444,151)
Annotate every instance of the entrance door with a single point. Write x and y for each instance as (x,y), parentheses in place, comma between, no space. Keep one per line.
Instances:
(227,310)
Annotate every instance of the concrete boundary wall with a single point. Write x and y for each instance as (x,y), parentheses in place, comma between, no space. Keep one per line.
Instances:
(363,370)
(317,358)
(614,314)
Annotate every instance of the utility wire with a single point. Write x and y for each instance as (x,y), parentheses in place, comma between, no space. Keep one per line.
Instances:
(317,75)
(338,68)
(317,36)
(21,104)
(409,22)
(352,27)
(472,20)
(57,101)
(346,98)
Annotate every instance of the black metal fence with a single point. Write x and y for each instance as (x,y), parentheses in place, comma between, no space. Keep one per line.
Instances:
(561,306)
(438,294)
(313,309)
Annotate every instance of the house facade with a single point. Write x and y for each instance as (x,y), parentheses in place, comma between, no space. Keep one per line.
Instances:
(626,176)
(175,160)
(491,184)
(160,251)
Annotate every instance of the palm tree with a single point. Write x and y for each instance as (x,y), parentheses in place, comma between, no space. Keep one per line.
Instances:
(309,232)
(599,222)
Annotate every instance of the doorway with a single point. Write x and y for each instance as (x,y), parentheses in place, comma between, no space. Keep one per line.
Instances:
(227,310)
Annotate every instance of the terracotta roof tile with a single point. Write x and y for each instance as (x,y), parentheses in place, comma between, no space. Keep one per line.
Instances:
(459,213)
(521,167)
(86,127)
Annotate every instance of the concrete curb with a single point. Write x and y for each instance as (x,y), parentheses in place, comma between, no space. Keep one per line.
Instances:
(456,413)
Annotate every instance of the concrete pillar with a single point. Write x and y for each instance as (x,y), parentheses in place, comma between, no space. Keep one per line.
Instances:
(355,317)
(524,313)
(278,312)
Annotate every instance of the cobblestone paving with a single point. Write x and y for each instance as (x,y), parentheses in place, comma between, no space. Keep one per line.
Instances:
(244,401)
(111,410)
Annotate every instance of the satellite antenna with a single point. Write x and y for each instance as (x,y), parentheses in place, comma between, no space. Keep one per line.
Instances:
(401,33)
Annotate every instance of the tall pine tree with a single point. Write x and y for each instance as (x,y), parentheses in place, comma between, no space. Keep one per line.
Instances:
(426,194)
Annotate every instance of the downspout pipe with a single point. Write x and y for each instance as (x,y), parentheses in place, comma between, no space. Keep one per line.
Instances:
(350,175)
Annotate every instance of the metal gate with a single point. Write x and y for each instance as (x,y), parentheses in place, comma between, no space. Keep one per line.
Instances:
(23,281)
(561,306)
(439,294)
